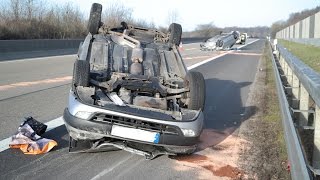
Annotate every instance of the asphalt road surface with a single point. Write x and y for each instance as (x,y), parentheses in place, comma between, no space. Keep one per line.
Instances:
(38,87)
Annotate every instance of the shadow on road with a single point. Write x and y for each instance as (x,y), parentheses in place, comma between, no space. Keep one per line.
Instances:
(60,135)
(224,110)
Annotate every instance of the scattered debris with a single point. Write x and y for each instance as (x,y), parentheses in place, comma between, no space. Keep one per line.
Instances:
(28,138)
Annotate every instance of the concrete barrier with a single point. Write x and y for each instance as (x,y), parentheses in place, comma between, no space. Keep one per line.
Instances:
(304,29)
(297,30)
(38,45)
(291,31)
(317,25)
(8,46)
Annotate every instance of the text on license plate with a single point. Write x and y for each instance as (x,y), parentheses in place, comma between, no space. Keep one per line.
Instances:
(136,134)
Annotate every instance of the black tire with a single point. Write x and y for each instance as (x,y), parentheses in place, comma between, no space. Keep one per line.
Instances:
(196,96)
(81,74)
(175,31)
(235,34)
(95,18)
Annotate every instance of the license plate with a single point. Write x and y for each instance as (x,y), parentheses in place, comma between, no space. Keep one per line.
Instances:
(135,134)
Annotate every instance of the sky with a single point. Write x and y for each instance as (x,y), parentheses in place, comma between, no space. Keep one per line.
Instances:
(222,13)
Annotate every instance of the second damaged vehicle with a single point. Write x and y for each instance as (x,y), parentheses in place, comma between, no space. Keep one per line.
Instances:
(224,41)
(132,91)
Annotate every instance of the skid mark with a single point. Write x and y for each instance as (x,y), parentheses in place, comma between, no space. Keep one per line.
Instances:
(32,83)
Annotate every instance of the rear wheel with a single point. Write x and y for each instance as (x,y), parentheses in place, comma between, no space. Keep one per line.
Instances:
(175,31)
(95,18)
(196,95)
(81,74)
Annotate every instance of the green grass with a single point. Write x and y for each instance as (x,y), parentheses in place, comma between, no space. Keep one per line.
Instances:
(272,109)
(309,54)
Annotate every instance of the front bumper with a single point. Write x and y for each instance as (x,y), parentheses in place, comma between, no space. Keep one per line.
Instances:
(91,129)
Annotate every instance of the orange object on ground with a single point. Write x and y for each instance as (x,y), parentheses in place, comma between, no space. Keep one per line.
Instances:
(31,143)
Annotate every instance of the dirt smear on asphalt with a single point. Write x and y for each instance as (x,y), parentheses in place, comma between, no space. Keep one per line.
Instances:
(217,158)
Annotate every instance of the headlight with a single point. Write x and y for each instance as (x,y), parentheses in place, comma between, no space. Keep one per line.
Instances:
(83,114)
(188,132)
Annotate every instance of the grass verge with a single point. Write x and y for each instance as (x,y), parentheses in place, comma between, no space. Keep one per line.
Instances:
(266,157)
(272,111)
(309,54)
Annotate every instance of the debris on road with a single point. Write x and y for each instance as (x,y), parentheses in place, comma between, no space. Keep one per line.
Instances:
(28,138)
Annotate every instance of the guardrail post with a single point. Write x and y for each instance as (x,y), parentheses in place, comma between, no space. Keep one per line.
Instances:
(281,60)
(316,148)
(295,91)
(304,106)
(289,77)
(285,68)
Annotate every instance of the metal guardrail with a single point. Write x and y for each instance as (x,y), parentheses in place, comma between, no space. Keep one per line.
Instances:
(298,168)
(299,92)
(307,76)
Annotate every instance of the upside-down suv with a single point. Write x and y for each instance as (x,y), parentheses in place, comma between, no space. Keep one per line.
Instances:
(131,90)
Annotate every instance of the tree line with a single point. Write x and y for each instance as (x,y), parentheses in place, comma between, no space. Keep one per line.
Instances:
(41,19)
(34,19)
(209,30)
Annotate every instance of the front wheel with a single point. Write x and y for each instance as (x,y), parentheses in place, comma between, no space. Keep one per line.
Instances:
(175,32)
(95,18)
(81,74)
(196,96)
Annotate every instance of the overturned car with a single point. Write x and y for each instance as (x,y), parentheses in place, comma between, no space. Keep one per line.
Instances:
(132,91)
(224,41)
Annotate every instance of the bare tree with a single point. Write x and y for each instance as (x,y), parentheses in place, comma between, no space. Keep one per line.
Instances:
(173,16)
(277,26)
(115,13)
(33,19)
(207,30)
(15,8)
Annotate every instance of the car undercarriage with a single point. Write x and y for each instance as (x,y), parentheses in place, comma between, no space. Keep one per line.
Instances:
(131,89)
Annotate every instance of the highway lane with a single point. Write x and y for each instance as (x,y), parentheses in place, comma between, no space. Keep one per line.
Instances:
(228,80)
(32,92)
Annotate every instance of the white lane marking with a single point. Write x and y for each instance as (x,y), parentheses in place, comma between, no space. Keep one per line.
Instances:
(246,54)
(4,144)
(106,171)
(248,43)
(55,123)
(190,44)
(211,59)
(35,59)
(197,57)
(205,61)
